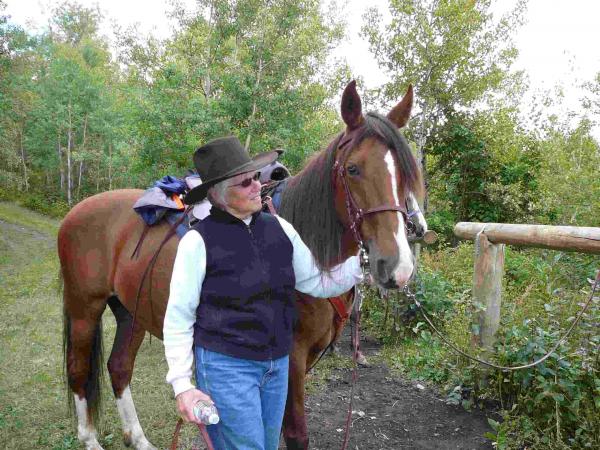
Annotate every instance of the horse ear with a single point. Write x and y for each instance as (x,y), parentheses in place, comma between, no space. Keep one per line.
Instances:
(351,107)
(400,114)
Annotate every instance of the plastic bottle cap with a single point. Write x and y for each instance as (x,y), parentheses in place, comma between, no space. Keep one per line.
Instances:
(213,419)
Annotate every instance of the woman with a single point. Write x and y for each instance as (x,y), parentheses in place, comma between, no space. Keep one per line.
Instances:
(231,304)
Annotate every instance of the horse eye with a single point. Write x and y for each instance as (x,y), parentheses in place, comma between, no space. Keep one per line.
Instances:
(353,170)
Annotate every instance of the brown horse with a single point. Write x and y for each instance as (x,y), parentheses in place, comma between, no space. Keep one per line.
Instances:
(359,183)
(378,171)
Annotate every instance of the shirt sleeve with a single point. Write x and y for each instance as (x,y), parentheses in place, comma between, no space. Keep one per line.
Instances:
(309,278)
(184,295)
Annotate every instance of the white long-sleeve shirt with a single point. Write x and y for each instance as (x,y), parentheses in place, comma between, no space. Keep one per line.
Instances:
(186,284)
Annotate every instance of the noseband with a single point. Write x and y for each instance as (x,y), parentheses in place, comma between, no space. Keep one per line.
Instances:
(356,214)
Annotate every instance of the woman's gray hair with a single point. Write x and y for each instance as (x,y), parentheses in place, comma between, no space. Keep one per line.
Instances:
(216,193)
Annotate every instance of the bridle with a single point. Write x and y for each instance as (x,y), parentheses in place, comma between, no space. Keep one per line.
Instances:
(356,214)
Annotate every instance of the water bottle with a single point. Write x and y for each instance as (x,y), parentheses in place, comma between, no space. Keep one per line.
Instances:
(206,413)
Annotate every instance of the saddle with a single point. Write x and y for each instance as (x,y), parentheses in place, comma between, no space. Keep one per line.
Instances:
(162,201)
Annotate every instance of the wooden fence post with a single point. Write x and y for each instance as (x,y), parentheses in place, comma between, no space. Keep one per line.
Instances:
(487,288)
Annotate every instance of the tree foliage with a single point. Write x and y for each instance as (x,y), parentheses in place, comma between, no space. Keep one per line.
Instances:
(485,169)
(78,121)
(569,181)
(453,51)
(251,68)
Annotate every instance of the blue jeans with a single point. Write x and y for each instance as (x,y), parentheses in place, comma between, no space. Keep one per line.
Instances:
(249,395)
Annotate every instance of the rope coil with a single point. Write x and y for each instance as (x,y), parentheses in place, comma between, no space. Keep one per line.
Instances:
(425,314)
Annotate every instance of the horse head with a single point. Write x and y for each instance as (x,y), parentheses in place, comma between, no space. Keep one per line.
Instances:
(375,174)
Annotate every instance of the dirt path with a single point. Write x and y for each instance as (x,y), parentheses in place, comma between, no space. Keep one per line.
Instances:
(389,413)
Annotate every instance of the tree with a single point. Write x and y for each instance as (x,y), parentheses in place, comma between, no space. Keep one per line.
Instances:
(254,68)
(73,22)
(485,169)
(73,121)
(568,176)
(16,100)
(453,51)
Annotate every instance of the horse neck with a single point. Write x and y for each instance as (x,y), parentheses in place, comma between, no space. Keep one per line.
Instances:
(307,205)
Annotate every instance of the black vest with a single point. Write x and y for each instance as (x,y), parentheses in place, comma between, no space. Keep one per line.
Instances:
(247,307)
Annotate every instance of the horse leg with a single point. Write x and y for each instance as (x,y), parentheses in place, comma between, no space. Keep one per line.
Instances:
(120,366)
(295,430)
(83,359)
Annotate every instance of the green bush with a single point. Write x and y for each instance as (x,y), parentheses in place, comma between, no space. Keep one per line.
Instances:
(442,221)
(5,195)
(42,203)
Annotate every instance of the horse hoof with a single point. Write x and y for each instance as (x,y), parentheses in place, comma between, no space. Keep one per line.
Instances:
(93,447)
(145,446)
(296,444)
(141,443)
(361,360)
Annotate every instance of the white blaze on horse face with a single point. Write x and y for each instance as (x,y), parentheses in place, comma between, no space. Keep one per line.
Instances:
(413,207)
(404,269)
(132,430)
(85,431)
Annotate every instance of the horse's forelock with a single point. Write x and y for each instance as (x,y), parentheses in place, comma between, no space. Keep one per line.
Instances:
(381,128)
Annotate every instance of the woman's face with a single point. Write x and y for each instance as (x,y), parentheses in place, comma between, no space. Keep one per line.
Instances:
(242,196)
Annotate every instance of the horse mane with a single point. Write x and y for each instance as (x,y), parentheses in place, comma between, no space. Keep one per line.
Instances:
(308,201)
(308,204)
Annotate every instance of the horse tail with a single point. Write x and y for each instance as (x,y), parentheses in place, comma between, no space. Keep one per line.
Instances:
(66,346)
(60,283)
(93,385)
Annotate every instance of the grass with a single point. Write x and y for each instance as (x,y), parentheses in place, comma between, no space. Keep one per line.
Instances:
(23,217)
(33,396)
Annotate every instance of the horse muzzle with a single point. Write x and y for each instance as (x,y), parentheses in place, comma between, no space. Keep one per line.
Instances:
(390,272)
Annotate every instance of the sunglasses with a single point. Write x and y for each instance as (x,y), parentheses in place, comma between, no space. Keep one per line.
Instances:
(248,181)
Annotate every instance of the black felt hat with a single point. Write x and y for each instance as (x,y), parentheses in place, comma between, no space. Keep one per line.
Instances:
(221,159)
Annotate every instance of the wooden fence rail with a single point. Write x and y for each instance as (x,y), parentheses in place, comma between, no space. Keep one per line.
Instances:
(490,239)
(574,239)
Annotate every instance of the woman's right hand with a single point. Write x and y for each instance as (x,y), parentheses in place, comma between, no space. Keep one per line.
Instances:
(186,402)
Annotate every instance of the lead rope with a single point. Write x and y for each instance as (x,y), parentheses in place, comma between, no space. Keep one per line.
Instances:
(203,433)
(420,307)
(355,335)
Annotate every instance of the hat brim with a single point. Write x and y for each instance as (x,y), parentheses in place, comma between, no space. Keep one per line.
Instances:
(261,160)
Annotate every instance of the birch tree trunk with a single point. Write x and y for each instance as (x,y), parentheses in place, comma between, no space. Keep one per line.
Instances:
(79,180)
(60,163)
(422,156)
(85,120)
(25,177)
(110,166)
(254,107)
(207,79)
(69,144)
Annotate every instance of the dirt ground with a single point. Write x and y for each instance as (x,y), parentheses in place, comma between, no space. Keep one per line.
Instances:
(389,413)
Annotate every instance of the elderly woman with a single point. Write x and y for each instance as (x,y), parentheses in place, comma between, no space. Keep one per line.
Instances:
(231,304)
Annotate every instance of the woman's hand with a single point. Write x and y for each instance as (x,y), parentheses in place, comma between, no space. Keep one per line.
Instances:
(186,402)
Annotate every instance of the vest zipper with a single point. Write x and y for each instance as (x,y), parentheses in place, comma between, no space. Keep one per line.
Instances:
(267,290)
